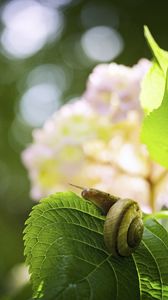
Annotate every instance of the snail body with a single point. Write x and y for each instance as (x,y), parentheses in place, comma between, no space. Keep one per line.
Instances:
(123,226)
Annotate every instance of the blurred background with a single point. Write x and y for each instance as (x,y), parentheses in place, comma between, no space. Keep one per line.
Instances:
(47,50)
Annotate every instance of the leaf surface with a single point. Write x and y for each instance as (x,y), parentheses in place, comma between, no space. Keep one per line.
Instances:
(154,100)
(67,257)
(155,131)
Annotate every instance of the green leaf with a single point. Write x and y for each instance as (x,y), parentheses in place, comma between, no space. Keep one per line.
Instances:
(154,100)
(158,215)
(160,55)
(155,132)
(152,88)
(153,84)
(65,250)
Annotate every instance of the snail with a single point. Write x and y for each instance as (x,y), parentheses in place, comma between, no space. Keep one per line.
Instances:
(123,227)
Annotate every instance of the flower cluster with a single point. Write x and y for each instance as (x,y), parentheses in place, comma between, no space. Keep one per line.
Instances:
(95,142)
(114,89)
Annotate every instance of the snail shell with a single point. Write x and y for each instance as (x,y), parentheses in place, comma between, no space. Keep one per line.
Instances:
(123,227)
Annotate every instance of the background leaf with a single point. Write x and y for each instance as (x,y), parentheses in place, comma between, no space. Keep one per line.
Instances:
(155,132)
(159,54)
(152,88)
(153,83)
(65,250)
(155,129)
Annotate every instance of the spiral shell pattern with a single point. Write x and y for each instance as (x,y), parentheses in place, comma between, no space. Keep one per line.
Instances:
(123,227)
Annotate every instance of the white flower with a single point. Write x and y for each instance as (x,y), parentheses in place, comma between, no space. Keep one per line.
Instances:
(114,89)
(57,155)
(83,146)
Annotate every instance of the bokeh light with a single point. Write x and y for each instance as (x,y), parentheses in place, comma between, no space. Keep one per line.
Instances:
(102,43)
(49,73)
(18,277)
(39,102)
(28,26)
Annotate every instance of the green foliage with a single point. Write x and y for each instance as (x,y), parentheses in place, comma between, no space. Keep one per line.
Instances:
(152,88)
(67,257)
(154,82)
(154,100)
(155,131)
(159,54)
